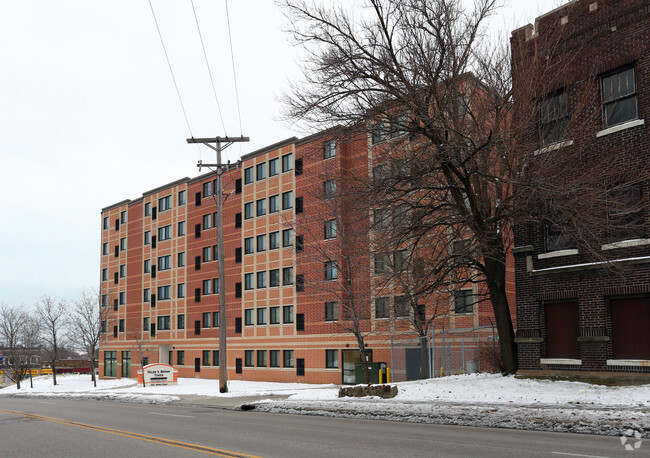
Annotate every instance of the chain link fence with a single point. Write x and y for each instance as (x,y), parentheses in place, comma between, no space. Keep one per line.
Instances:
(447,352)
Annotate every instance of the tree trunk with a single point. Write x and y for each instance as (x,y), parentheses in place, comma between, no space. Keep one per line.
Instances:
(92,372)
(31,380)
(424,358)
(54,370)
(364,358)
(143,381)
(495,276)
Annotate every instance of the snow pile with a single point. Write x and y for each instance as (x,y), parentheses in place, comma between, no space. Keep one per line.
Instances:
(475,399)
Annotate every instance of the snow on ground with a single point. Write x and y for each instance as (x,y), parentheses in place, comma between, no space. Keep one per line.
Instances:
(475,399)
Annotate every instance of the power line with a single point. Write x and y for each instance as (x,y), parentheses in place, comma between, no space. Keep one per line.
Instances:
(169,64)
(214,91)
(232,58)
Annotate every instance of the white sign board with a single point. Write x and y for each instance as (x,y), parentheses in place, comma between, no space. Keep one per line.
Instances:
(158,374)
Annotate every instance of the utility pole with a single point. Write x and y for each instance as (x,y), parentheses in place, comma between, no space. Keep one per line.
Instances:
(221,144)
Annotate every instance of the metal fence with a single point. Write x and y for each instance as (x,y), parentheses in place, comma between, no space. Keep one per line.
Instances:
(447,352)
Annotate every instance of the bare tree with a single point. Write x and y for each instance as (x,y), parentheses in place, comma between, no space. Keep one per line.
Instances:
(13,324)
(436,96)
(53,317)
(85,326)
(32,342)
(141,348)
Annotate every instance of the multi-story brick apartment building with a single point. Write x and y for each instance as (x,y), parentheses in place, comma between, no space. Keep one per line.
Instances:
(586,309)
(159,273)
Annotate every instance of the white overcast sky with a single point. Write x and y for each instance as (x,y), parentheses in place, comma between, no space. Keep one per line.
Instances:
(89,116)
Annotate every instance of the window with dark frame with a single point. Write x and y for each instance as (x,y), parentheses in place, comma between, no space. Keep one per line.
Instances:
(619,96)
(382,307)
(274,166)
(330,229)
(625,212)
(554,119)
(555,239)
(463,301)
(331,359)
(260,171)
(329,149)
(402,306)
(331,311)
(287,162)
(248,175)
(287,358)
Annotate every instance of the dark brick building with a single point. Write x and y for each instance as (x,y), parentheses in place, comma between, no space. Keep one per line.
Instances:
(587,311)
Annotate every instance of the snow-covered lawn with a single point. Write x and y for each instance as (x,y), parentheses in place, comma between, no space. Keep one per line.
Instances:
(476,399)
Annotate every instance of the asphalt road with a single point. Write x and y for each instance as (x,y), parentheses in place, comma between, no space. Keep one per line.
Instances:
(64,428)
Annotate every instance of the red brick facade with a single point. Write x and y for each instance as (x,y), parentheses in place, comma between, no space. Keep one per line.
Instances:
(572,314)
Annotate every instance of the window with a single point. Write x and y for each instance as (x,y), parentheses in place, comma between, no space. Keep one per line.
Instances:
(382,307)
(104,274)
(147,266)
(104,300)
(207,287)
(146,295)
(261,207)
(463,301)
(287,200)
(105,226)
(287,276)
(619,97)
(330,229)
(164,233)
(274,204)
(248,175)
(261,316)
(329,149)
(215,357)
(181,259)
(207,254)
(180,322)
(331,272)
(122,271)
(274,358)
(164,323)
(274,315)
(287,162)
(248,210)
(274,240)
(164,292)
(300,282)
(207,222)
(287,314)
(165,203)
(110,364)
(274,167)
(402,306)
(248,317)
(207,316)
(625,212)
(180,290)
(122,298)
(381,263)
(123,217)
(260,171)
(147,237)
(329,189)
(180,357)
(248,358)
(287,358)
(461,250)
(181,228)
(261,279)
(248,281)
(164,262)
(207,189)
(249,245)
(379,132)
(400,258)
(261,358)
(287,237)
(381,219)
(105,248)
(121,324)
(205,357)
(123,244)
(216,319)
(331,359)
(261,243)
(181,198)
(554,122)
(379,174)
(331,311)
(555,239)
(145,324)
(215,285)
(215,252)
(274,278)
(147,209)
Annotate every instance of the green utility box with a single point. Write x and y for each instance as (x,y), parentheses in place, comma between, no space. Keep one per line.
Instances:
(373,369)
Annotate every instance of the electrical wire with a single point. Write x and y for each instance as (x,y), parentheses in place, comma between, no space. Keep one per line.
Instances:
(169,64)
(207,64)
(234,73)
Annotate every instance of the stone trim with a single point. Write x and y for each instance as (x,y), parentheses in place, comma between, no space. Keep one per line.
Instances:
(625,244)
(594,339)
(561,361)
(620,127)
(529,340)
(557,254)
(628,362)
